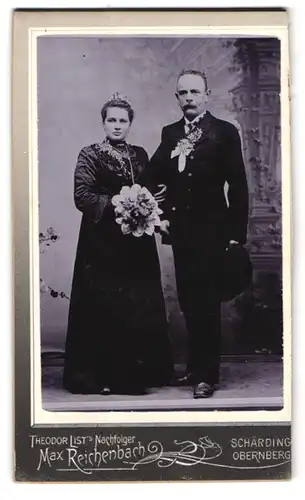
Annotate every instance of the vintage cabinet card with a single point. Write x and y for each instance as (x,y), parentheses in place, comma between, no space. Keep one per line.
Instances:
(151,175)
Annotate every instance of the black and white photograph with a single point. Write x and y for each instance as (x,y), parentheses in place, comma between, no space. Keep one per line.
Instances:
(152,231)
(160,223)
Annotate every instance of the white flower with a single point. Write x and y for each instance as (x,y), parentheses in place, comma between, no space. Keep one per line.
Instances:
(134,192)
(125,228)
(147,194)
(150,228)
(120,198)
(139,231)
(117,199)
(136,210)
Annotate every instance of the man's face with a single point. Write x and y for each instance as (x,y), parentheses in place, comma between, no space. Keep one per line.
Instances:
(191,95)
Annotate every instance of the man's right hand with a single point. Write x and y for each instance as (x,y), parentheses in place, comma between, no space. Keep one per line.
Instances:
(160,195)
(164,227)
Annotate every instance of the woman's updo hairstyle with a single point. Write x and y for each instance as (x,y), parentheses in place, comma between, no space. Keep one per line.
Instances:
(117,101)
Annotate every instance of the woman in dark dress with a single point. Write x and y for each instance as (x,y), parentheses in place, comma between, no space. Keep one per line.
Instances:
(117,339)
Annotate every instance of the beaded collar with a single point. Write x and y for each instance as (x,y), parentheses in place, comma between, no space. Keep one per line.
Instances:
(119,154)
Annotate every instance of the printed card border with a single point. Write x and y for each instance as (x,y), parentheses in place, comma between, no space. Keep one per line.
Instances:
(189,426)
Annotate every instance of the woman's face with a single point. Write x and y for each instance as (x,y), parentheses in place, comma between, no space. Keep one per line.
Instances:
(117,123)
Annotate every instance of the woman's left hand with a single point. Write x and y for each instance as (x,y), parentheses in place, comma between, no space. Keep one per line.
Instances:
(160,195)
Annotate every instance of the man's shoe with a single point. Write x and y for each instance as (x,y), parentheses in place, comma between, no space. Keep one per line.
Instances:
(105,391)
(203,390)
(186,380)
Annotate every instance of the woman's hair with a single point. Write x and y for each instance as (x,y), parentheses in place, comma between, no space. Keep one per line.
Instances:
(117,101)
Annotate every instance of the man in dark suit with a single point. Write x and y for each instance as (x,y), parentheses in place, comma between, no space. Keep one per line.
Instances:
(197,156)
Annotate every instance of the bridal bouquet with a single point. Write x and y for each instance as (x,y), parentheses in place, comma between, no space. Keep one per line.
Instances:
(136,210)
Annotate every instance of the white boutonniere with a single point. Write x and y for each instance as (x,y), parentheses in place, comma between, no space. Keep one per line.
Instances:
(185,146)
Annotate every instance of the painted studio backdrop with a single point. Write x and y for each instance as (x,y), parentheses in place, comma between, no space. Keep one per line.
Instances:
(76,76)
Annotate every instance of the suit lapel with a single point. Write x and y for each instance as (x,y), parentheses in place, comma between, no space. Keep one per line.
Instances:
(177,132)
(205,126)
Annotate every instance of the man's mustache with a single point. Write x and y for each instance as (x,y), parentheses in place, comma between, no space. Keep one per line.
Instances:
(189,106)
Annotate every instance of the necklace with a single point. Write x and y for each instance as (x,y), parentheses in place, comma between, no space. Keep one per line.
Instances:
(119,155)
(130,164)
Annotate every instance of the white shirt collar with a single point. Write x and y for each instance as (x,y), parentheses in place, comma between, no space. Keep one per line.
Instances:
(195,120)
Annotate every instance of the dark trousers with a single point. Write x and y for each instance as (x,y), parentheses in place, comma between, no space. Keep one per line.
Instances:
(197,278)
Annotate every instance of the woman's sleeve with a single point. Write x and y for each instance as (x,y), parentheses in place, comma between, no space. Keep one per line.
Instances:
(143,158)
(154,172)
(86,197)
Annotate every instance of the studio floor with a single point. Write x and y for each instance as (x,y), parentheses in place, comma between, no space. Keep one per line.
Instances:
(248,384)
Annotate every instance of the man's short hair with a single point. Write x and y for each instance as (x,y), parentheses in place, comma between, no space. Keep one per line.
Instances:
(197,73)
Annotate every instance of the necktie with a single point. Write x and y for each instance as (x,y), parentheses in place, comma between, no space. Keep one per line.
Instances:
(189,128)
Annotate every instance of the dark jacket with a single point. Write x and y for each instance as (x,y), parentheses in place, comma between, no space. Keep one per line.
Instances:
(195,202)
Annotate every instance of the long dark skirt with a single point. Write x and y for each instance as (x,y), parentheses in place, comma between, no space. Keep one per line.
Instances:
(117,329)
